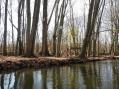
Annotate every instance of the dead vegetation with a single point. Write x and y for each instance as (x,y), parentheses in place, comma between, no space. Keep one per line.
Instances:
(15,63)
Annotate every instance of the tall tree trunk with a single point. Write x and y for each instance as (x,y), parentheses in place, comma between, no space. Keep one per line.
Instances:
(12,36)
(28,11)
(97,30)
(34,27)
(31,31)
(86,40)
(0,12)
(92,17)
(60,30)
(55,27)
(5,30)
(45,30)
(11,18)
(112,26)
(115,27)
(23,27)
(19,45)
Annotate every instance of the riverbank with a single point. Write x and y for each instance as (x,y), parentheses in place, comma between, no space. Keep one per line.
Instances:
(9,63)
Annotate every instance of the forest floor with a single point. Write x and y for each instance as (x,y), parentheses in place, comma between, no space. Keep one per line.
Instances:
(9,63)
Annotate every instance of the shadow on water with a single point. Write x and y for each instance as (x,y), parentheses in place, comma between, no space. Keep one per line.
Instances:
(98,75)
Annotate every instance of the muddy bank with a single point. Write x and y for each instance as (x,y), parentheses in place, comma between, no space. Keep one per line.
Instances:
(15,63)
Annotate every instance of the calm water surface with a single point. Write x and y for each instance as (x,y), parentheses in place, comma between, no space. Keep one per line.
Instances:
(98,75)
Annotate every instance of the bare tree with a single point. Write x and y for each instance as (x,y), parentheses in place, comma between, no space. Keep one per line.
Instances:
(55,27)
(19,45)
(46,23)
(92,18)
(45,29)
(28,11)
(114,26)
(34,28)
(5,30)
(0,11)
(11,19)
(96,33)
(23,27)
(60,29)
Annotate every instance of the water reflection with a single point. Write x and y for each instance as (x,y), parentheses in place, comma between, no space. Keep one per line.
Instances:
(98,75)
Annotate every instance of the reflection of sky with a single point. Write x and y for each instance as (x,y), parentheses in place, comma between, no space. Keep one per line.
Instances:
(9,80)
(106,76)
(50,79)
(37,80)
(99,75)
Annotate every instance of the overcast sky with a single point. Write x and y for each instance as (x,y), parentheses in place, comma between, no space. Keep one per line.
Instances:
(78,6)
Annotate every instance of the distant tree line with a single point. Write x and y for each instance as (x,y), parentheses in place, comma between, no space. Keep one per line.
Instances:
(67,37)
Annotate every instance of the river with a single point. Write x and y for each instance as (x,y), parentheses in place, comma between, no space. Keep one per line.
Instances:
(93,75)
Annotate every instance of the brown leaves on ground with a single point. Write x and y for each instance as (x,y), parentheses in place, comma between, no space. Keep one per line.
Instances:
(18,62)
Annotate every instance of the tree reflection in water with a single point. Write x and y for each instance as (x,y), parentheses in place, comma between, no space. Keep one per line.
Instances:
(98,75)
